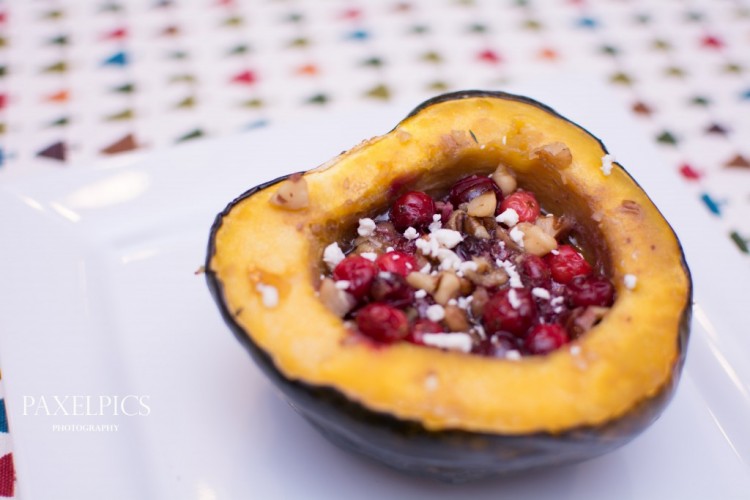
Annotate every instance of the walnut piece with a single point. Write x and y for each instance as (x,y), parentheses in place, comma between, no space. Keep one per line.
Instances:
(337,301)
(483,205)
(505,180)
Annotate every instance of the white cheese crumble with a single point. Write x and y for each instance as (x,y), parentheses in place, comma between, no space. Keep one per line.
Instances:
(447,237)
(426,269)
(509,217)
(557,304)
(343,284)
(420,294)
(436,224)
(513,355)
(366,227)
(465,302)
(607,164)
(515,302)
(384,275)
(458,341)
(411,234)
(630,281)
(389,250)
(371,256)
(449,261)
(452,302)
(435,312)
(541,293)
(468,265)
(575,350)
(479,329)
(510,269)
(428,246)
(332,255)
(517,236)
(269,295)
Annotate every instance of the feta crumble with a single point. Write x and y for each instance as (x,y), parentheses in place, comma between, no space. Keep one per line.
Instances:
(447,237)
(513,355)
(371,256)
(607,164)
(457,341)
(509,217)
(332,255)
(420,294)
(510,269)
(411,234)
(343,284)
(517,236)
(449,260)
(366,227)
(426,269)
(515,302)
(269,295)
(436,224)
(435,312)
(630,281)
(541,293)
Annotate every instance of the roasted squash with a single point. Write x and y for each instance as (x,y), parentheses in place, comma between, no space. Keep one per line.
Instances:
(445,414)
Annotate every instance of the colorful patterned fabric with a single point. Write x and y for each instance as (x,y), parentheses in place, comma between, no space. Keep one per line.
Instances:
(82,80)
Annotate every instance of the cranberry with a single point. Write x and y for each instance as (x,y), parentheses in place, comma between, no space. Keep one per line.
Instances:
(499,313)
(566,264)
(445,209)
(543,339)
(392,289)
(535,271)
(408,247)
(590,291)
(359,272)
(497,345)
(382,322)
(524,203)
(422,326)
(470,187)
(413,209)
(396,262)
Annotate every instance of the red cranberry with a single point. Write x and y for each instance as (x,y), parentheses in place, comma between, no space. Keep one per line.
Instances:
(566,264)
(408,247)
(444,208)
(413,209)
(497,346)
(535,271)
(422,326)
(382,322)
(499,313)
(524,203)
(396,262)
(359,272)
(470,187)
(590,291)
(392,289)
(543,339)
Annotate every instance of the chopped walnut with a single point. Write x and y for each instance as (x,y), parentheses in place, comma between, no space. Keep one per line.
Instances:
(483,205)
(505,180)
(336,300)
(292,194)
(475,228)
(448,288)
(422,281)
(456,319)
(556,227)
(535,240)
(583,319)
(479,299)
(456,220)
(486,275)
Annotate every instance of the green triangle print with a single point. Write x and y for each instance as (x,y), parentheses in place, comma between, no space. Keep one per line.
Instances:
(193,134)
(58,67)
(186,103)
(126,114)
(666,137)
(379,92)
(126,88)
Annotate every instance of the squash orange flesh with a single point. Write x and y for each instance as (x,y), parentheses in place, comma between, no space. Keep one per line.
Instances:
(624,360)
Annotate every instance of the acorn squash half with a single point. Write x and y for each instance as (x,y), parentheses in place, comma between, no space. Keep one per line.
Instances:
(445,414)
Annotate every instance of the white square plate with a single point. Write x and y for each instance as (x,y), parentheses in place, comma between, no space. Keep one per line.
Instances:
(98,298)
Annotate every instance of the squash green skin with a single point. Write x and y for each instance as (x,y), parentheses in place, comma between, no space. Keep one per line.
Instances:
(451,455)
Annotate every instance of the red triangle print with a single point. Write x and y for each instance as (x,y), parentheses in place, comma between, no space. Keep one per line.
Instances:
(56,151)
(118,34)
(351,14)
(170,31)
(126,143)
(307,69)
(3,101)
(738,161)
(688,172)
(61,96)
(712,42)
(489,56)
(225,3)
(3,17)
(7,475)
(548,54)
(246,77)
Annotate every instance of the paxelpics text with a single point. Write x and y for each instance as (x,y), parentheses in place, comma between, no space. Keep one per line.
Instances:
(87,406)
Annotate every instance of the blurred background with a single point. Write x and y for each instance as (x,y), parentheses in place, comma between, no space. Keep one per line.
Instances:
(82,80)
